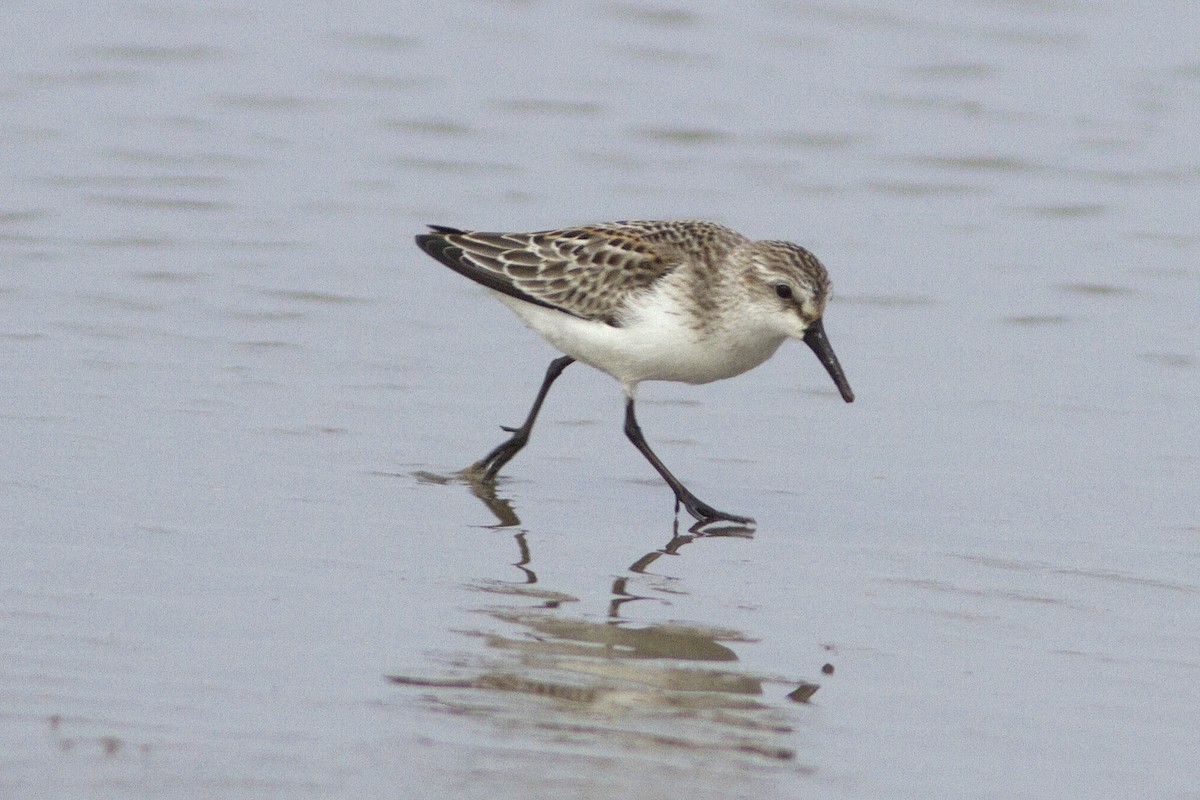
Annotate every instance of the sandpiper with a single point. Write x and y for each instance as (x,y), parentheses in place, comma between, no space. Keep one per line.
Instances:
(647,301)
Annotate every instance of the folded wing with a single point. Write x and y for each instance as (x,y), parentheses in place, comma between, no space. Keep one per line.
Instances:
(589,272)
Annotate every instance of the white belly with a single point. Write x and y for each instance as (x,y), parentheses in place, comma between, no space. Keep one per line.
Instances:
(658,347)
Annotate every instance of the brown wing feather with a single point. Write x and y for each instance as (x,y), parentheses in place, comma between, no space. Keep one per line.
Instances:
(589,271)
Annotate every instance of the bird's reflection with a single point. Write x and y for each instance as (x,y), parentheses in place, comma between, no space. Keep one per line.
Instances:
(506,516)
(621,593)
(500,507)
(620,596)
(678,540)
(607,679)
(523,546)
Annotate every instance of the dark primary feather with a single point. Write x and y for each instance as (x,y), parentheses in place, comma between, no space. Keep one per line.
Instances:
(444,250)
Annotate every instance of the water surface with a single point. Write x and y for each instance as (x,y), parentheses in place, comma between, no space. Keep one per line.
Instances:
(228,377)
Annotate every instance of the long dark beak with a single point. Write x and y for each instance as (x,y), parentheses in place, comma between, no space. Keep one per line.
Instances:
(815,338)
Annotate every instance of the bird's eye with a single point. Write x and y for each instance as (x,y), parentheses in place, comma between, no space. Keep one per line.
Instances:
(783,290)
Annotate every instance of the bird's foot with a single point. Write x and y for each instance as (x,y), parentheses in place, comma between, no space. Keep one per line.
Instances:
(706,514)
(485,469)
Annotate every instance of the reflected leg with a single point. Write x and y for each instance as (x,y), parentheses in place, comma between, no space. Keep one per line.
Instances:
(485,469)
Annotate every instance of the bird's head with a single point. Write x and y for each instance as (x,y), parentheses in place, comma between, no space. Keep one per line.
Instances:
(793,286)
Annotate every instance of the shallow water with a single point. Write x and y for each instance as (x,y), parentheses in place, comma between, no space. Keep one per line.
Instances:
(230,383)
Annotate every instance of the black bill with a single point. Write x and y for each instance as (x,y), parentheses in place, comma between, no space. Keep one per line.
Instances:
(815,338)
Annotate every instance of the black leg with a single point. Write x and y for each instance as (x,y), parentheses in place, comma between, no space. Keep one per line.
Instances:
(485,469)
(696,507)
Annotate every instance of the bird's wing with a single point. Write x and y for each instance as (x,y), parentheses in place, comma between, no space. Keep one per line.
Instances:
(590,271)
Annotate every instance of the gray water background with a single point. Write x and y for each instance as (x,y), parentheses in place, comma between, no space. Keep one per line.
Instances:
(229,382)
